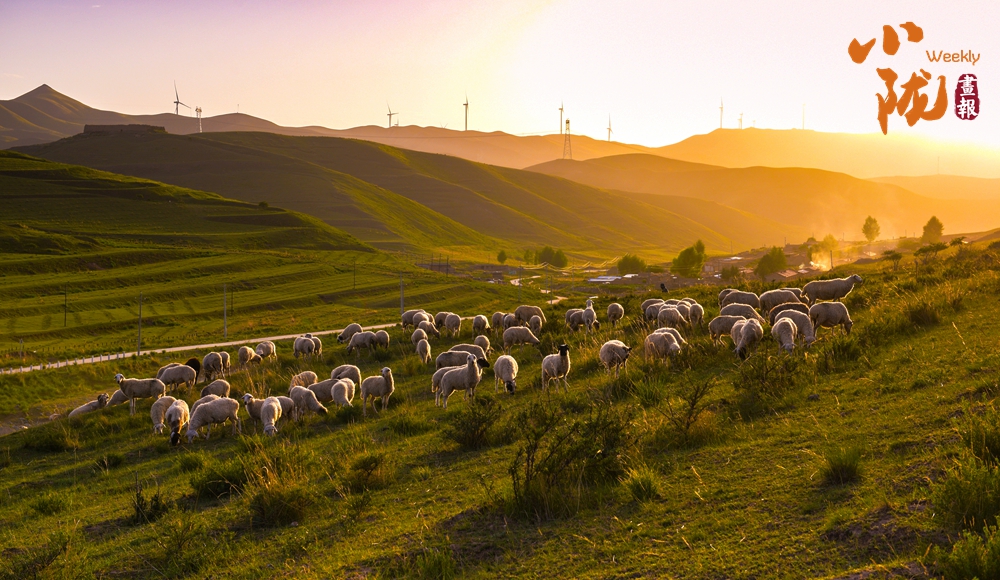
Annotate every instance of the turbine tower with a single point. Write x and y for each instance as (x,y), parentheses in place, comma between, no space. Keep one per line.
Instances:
(560,118)
(390,114)
(177,101)
(741,120)
(720,113)
(609,129)
(466,111)
(197,111)
(567,146)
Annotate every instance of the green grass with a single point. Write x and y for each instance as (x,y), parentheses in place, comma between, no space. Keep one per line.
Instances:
(617,490)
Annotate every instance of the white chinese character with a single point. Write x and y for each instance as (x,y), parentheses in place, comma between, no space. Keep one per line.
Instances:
(967,108)
(966,85)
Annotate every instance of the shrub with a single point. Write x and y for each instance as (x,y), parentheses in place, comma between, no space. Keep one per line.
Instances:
(147,510)
(981,435)
(972,556)
(642,483)
(631,264)
(275,503)
(923,314)
(52,438)
(49,504)
(191,462)
(370,470)
(109,461)
(842,466)
(474,426)
(685,413)
(18,564)
(969,496)
(762,381)
(220,479)
(407,424)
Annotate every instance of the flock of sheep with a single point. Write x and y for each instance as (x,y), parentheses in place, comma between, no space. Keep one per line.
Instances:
(793,314)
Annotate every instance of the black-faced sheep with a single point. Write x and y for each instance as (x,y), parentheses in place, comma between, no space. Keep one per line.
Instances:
(555,367)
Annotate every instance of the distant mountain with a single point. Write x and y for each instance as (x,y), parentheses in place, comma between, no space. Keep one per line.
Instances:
(394,198)
(947,186)
(865,156)
(819,201)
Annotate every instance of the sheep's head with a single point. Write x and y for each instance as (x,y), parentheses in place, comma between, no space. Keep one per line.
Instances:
(102,400)
(510,386)
(483,363)
(386,373)
(119,378)
(563,349)
(247,399)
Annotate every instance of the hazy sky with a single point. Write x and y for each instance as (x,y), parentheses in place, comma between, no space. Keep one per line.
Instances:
(658,68)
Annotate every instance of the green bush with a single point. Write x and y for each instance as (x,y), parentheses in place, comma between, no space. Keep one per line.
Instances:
(923,314)
(642,483)
(191,462)
(49,504)
(370,470)
(969,496)
(406,423)
(52,438)
(842,466)
(220,479)
(147,510)
(475,426)
(981,435)
(276,503)
(972,557)
(762,382)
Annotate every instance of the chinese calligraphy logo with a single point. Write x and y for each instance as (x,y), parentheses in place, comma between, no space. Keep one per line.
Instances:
(967,97)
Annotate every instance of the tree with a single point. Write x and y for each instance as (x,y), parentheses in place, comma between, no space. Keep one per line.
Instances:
(773,261)
(932,231)
(892,256)
(559,259)
(502,257)
(930,252)
(631,264)
(871,229)
(957,241)
(730,272)
(529,257)
(690,261)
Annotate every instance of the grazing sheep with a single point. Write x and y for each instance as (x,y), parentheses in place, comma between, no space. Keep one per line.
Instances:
(796,291)
(590,317)
(303,346)
(772,298)
(382,339)
(670,316)
(177,417)
(202,401)
(424,351)
(417,336)
(255,406)
(270,412)
(453,323)
(676,333)
(317,344)
(649,302)
(322,390)
(177,376)
(450,358)
(215,412)
(739,297)
(802,321)
(366,339)
(614,353)
(347,372)
(535,324)
(685,309)
(509,321)
(117,398)
(343,392)
(225,361)
(615,313)
(287,405)
(164,368)
(751,333)
(555,367)
(744,310)
(652,311)
(212,366)
(157,412)
(473,348)
(830,289)
(377,387)
(305,400)
(829,315)
(574,318)
(697,314)
(483,342)
(517,335)
(497,321)
(660,345)
(690,301)
(671,302)
(218,387)
(99,403)
(407,318)
(246,355)
(464,378)
(800,307)
(352,329)
(440,317)
(480,325)
(524,313)
(139,389)
(784,332)
(505,371)
(436,377)
(267,350)
(429,328)
(724,293)
(303,379)
(422,317)
(722,325)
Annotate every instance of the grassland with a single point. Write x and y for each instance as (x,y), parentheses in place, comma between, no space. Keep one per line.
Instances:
(823,464)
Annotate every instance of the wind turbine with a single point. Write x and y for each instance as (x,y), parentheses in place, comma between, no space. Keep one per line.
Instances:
(720,112)
(560,118)
(177,101)
(390,114)
(609,129)
(466,111)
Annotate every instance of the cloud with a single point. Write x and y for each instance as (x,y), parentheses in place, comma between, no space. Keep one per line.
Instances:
(96,6)
(12,75)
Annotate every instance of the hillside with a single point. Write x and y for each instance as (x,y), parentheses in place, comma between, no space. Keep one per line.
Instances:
(391,197)
(947,186)
(864,155)
(819,201)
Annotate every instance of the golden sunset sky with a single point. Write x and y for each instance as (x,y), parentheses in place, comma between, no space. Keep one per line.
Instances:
(657,68)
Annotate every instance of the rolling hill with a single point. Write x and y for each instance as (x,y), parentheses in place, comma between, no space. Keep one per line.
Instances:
(819,201)
(390,197)
(947,186)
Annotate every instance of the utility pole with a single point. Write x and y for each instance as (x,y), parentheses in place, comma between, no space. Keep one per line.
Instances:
(138,346)
(225,310)
(400,293)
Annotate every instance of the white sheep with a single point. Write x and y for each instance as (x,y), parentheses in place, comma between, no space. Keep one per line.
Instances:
(225,361)
(614,353)
(797,306)
(464,378)
(417,336)
(407,318)
(509,321)
(352,329)
(739,297)
(158,410)
(424,351)
(647,303)
(343,392)
(97,404)
(784,332)
(724,293)
(117,398)
(453,323)
(673,331)
(179,375)
(739,309)
(303,346)
(450,358)
(438,374)
(574,318)
(366,339)
(830,289)
(305,400)
(317,344)
(751,333)
(653,310)
(496,322)
(690,301)
(322,390)
(164,368)
(177,417)
(697,314)
(377,387)
(555,367)
(421,317)
(517,335)
(440,318)
(793,290)
(382,339)
(303,379)
(483,342)
(671,302)
(722,325)
(590,317)
(480,325)
(505,371)
(267,350)
(255,406)
(203,400)
(829,315)
(246,355)
(806,331)
(772,298)
(428,327)
(139,389)
(524,313)
(473,348)
(347,372)
(615,313)
(218,387)
(214,412)
(669,315)
(212,366)
(685,309)
(270,413)
(660,345)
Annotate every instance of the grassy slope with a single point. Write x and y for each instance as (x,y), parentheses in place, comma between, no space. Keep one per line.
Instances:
(746,501)
(947,186)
